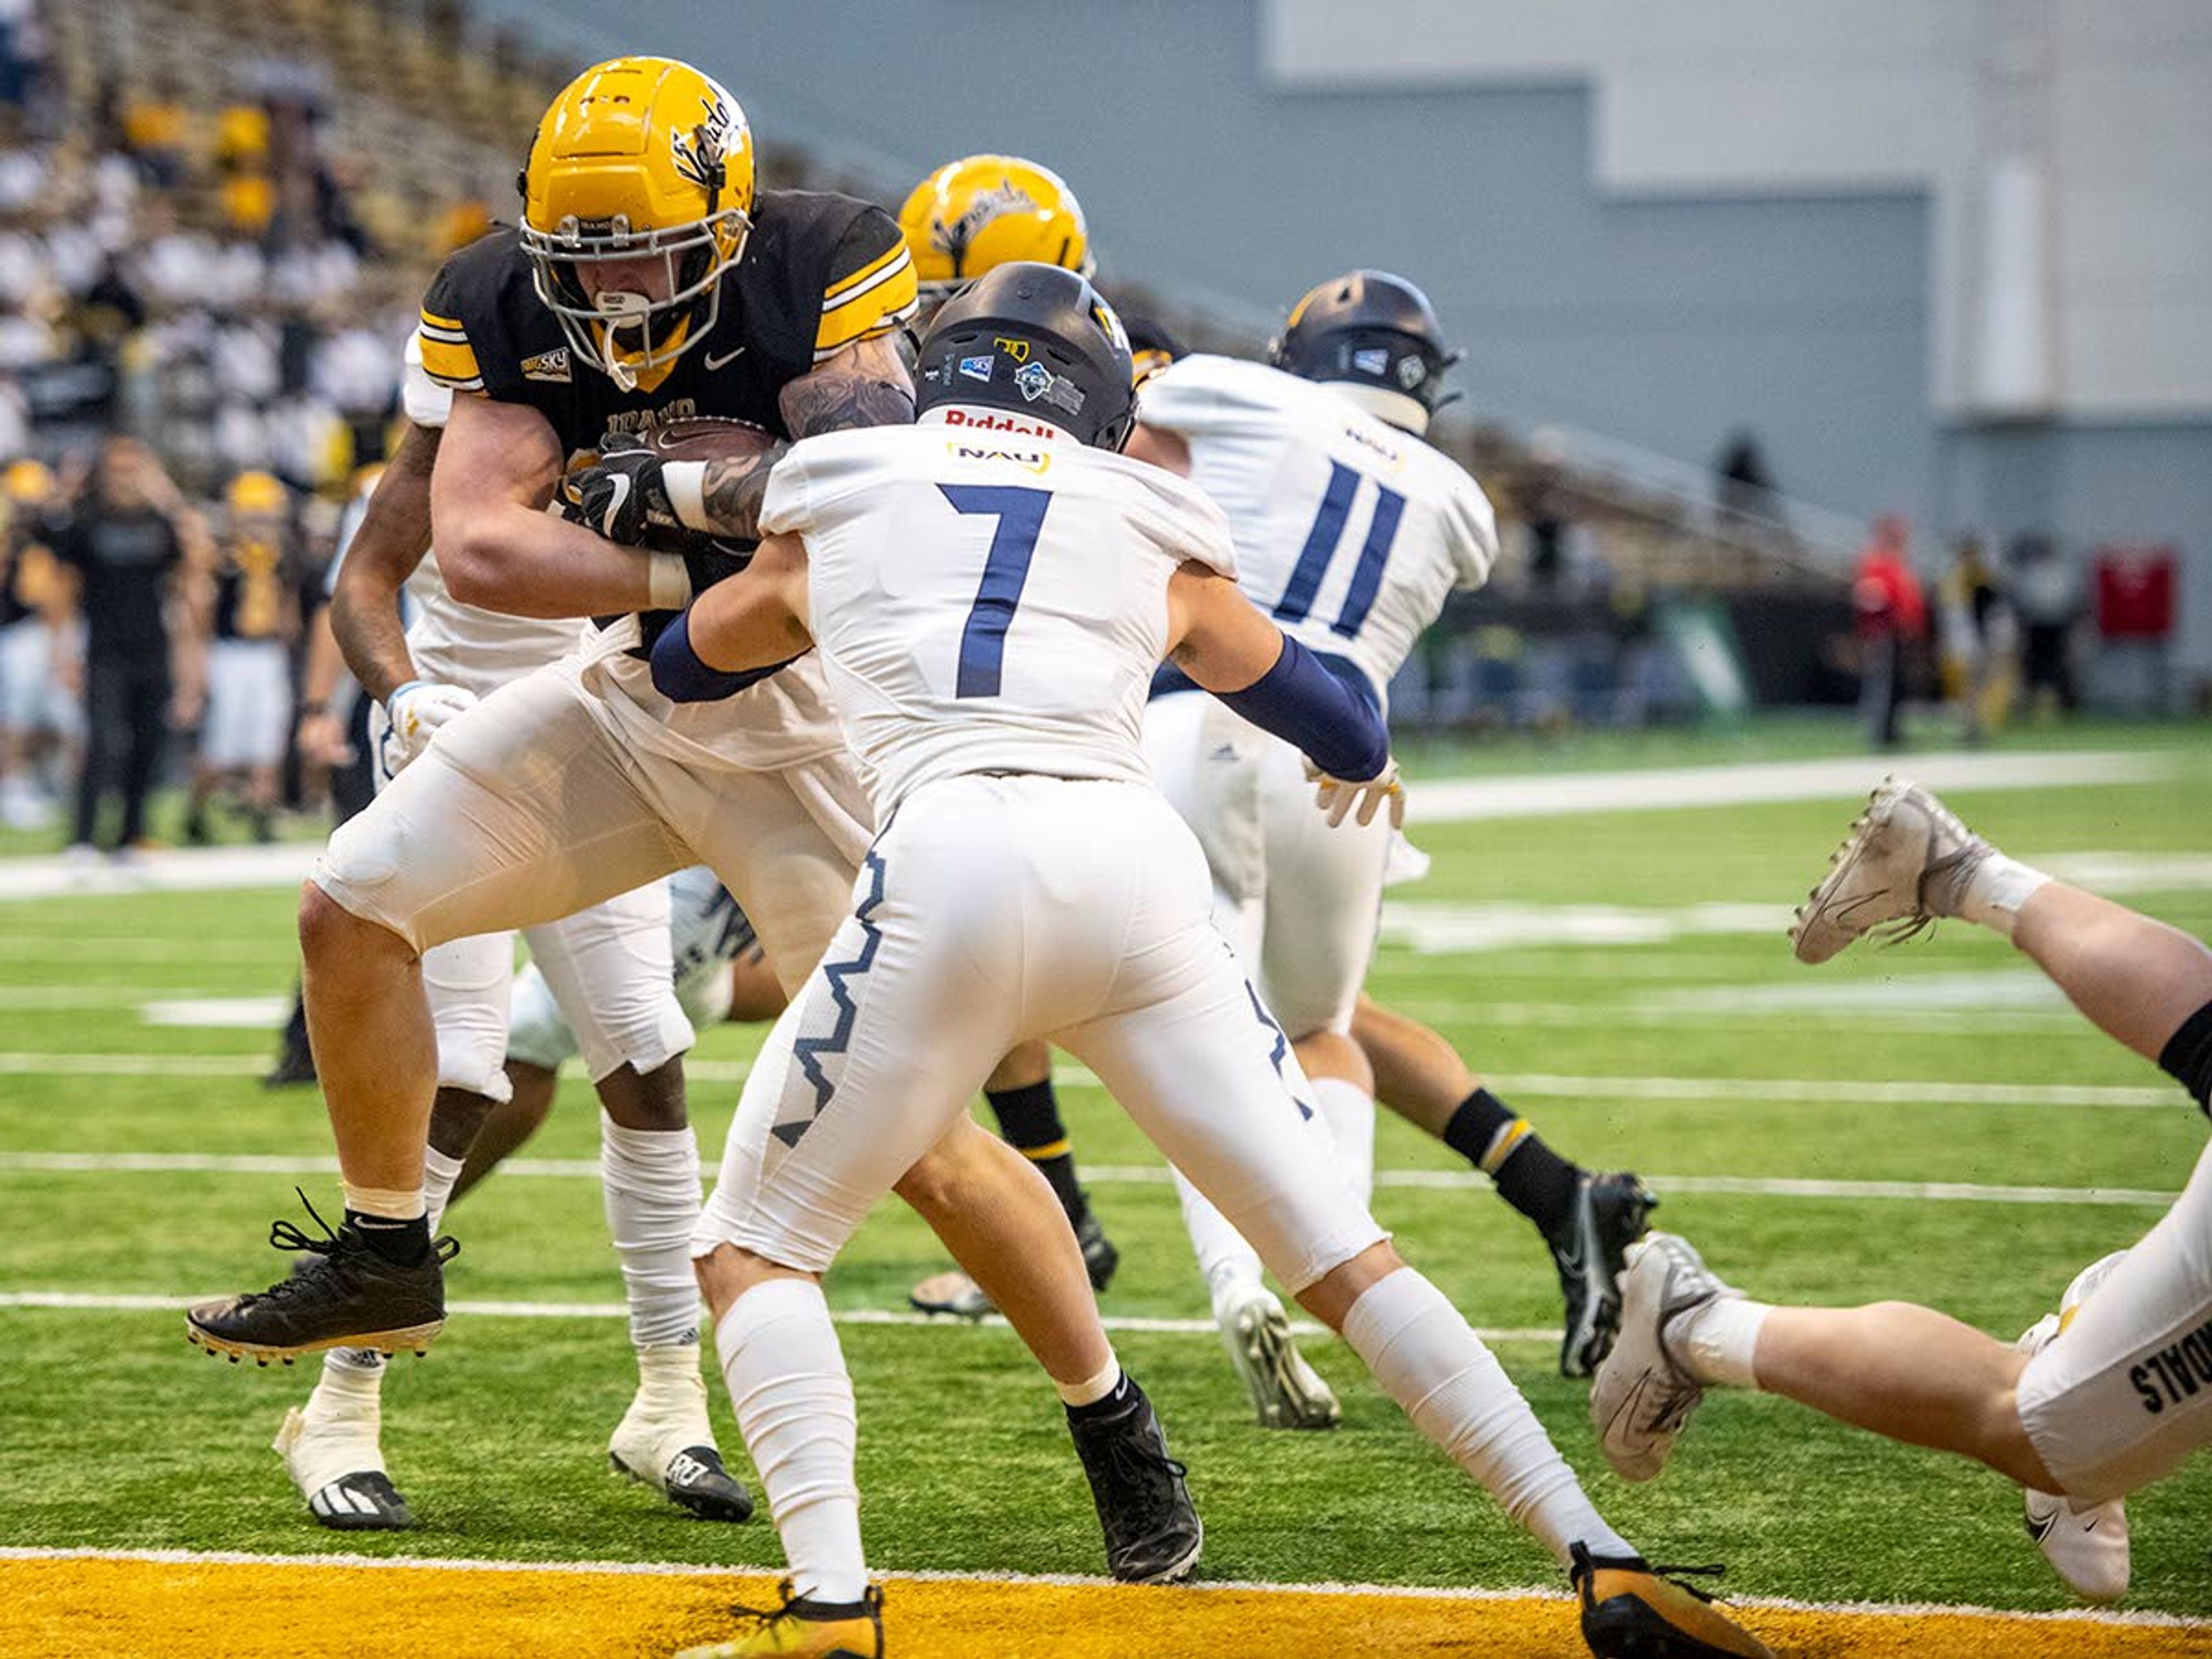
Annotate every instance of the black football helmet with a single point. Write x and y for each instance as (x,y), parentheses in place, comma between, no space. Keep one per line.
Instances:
(1369,329)
(1033,340)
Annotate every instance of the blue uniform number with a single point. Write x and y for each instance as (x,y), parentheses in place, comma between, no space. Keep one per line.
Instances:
(1020,513)
(1320,549)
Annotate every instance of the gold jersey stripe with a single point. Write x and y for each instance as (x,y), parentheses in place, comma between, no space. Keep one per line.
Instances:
(840,329)
(836,293)
(452,362)
(431,319)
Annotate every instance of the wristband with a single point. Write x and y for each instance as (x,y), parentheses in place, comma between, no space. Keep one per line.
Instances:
(685,483)
(667,582)
(400,691)
(309,710)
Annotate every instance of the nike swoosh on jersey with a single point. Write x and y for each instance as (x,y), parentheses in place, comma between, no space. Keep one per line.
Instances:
(730,356)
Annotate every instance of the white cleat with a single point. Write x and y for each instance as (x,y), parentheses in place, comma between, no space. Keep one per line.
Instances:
(1640,1398)
(333,1458)
(2086,1544)
(666,1442)
(1906,860)
(1286,1392)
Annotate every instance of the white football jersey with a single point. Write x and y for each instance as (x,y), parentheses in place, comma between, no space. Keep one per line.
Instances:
(988,594)
(1349,532)
(461,644)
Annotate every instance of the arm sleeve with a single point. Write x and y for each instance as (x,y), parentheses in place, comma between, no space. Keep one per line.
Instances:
(1303,703)
(870,291)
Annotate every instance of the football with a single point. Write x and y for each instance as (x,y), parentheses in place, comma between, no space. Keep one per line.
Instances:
(709,438)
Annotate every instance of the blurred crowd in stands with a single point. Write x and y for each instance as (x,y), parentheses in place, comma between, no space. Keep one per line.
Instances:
(219,255)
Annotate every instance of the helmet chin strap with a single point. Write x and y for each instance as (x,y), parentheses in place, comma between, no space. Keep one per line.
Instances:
(621,309)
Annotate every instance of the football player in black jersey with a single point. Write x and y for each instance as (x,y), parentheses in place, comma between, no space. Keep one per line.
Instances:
(648,284)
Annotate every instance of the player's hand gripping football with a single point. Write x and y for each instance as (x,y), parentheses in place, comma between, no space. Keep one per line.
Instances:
(622,496)
(1338,796)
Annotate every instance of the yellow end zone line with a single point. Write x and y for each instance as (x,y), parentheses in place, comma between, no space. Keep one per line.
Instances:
(13,1554)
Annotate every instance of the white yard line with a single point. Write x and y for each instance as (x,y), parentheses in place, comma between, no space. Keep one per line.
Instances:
(1845,779)
(1145,1175)
(95,1301)
(1641,1086)
(1240,1587)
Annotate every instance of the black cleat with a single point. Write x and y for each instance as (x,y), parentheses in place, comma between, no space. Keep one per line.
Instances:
(365,1502)
(1611,1212)
(1632,1610)
(1100,1257)
(344,1295)
(695,1479)
(1153,1531)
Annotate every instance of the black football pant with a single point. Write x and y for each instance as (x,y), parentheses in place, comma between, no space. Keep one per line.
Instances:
(127,709)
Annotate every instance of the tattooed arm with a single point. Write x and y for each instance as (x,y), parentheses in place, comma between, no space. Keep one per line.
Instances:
(866,384)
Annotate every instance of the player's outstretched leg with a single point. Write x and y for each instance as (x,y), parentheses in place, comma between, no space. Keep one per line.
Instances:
(1587,1218)
(1228,1105)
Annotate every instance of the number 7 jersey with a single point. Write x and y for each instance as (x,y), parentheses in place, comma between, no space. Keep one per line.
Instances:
(1349,532)
(988,594)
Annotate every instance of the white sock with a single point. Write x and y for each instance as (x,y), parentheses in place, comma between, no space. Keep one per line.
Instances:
(386,1203)
(1431,1363)
(1230,1265)
(1093,1388)
(650,1180)
(794,1405)
(440,1172)
(1996,891)
(1716,1343)
(1349,1111)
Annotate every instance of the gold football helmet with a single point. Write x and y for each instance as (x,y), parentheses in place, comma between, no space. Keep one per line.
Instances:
(984,211)
(637,197)
(255,495)
(27,482)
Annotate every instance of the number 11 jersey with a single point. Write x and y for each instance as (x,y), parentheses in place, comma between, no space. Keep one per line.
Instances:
(1349,532)
(988,594)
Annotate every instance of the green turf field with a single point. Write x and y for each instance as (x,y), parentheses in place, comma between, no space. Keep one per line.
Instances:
(1694,1049)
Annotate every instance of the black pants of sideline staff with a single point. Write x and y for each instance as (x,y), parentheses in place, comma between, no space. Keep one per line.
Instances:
(126,712)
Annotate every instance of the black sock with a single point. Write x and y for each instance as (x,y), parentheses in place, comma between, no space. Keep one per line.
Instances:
(2187,1055)
(1115,1400)
(403,1243)
(1529,1176)
(1030,1119)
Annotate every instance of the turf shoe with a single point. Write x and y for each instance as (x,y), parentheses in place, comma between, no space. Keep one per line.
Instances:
(2086,1544)
(953,1292)
(1906,860)
(804,1629)
(342,1295)
(1153,1534)
(333,1459)
(1641,1398)
(665,1441)
(1286,1392)
(1631,1610)
(1610,1212)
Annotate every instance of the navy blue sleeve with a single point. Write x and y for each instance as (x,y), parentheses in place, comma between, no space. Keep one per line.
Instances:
(1301,702)
(679,675)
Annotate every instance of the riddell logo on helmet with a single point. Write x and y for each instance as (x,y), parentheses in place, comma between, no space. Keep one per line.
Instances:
(985,422)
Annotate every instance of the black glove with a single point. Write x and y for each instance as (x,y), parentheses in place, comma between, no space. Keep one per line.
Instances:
(623,498)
